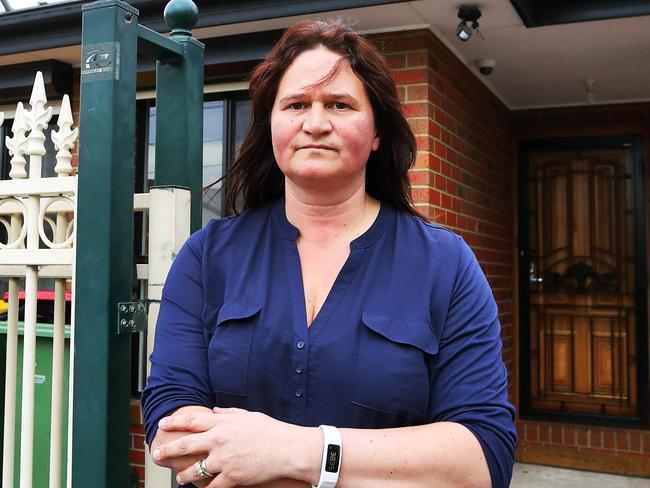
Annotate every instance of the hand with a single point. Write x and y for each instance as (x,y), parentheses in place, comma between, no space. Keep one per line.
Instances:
(241,448)
(164,437)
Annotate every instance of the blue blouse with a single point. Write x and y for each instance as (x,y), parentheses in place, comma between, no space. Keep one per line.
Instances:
(408,334)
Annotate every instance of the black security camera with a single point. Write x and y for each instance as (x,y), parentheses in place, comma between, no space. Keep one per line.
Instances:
(486,66)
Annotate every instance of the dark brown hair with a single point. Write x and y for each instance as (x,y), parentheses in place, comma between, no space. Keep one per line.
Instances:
(255,178)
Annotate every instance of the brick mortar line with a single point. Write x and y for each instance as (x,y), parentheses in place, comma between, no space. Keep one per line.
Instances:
(399,53)
(419,170)
(581,447)
(412,68)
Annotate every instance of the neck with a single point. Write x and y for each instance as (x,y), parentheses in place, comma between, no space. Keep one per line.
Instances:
(327,220)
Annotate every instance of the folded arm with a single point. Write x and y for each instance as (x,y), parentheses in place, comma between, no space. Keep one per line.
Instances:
(252,449)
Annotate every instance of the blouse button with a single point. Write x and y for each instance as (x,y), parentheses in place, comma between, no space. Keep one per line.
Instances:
(299,369)
(298,392)
(300,344)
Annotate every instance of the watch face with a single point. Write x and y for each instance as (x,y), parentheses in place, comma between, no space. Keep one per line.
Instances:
(333,457)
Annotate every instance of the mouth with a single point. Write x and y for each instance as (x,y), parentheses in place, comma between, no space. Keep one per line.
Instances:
(322,147)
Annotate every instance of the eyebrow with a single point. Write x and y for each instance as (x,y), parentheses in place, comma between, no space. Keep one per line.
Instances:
(342,96)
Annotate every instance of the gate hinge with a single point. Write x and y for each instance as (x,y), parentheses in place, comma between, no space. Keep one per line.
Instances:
(132,317)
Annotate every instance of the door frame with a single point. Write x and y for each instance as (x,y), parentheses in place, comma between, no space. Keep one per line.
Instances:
(636,143)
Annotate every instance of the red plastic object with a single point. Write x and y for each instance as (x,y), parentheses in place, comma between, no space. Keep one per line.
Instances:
(41,295)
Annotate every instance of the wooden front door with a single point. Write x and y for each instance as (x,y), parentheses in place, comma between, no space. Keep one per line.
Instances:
(582,259)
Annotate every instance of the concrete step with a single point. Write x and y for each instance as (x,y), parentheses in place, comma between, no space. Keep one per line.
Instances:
(536,476)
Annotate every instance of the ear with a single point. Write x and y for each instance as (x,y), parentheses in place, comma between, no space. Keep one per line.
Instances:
(375,143)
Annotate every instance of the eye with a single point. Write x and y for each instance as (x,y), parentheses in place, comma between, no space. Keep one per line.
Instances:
(340,106)
(296,106)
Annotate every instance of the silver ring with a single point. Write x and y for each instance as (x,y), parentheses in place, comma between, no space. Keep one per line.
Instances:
(202,470)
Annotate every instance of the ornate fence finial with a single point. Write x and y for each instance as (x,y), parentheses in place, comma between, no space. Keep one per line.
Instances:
(17,144)
(181,16)
(37,120)
(64,139)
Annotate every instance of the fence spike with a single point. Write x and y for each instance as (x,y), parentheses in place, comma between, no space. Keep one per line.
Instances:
(17,144)
(64,139)
(37,119)
(2,118)
(38,90)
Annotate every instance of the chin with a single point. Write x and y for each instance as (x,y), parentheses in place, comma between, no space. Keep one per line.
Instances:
(315,169)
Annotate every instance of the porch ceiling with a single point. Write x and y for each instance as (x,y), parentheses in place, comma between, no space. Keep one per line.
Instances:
(542,66)
(535,67)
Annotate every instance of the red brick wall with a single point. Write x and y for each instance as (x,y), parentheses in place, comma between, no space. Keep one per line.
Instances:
(137,445)
(463,176)
(611,450)
(625,451)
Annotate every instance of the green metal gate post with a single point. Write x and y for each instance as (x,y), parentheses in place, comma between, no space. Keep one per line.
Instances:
(100,455)
(111,40)
(179,109)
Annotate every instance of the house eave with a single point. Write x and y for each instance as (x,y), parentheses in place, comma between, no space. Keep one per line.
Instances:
(59,25)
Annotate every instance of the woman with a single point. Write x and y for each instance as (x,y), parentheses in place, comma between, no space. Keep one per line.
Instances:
(328,301)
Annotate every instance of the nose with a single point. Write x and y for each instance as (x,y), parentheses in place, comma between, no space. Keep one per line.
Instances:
(316,120)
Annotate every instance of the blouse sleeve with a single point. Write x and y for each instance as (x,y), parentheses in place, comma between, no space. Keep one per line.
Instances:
(179,375)
(469,379)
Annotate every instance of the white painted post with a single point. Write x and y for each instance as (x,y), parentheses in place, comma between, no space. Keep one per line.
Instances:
(64,141)
(68,464)
(169,228)
(37,120)
(17,146)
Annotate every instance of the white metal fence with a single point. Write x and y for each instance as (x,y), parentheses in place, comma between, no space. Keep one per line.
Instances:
(27,203)
(33,251)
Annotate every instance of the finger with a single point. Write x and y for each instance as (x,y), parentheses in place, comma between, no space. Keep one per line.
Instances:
(221,481)
(188,445)
(229,410)
(179,463)
(192,422)
(192,474)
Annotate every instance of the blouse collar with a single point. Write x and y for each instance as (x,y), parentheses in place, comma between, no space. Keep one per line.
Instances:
(289,232)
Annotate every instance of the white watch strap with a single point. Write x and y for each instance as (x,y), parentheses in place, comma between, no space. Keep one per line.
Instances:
(332,453)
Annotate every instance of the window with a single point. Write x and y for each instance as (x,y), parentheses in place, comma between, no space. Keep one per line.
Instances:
(4,153)
(225,122)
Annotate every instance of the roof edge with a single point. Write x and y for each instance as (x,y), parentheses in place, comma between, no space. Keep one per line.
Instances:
(59,25)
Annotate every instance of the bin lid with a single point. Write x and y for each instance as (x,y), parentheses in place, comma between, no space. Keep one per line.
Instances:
(42,330)
(41,295)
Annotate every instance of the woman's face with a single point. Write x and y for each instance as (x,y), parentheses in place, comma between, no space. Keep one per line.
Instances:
(322,135)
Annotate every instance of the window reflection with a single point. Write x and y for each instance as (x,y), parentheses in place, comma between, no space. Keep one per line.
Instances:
(213,137)
(225,123)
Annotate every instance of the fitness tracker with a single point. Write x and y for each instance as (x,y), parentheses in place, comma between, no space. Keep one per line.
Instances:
(331,463)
